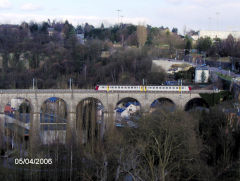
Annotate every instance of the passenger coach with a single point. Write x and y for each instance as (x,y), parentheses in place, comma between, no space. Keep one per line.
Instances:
(142,88)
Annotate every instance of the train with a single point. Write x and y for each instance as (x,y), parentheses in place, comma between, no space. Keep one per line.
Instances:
(142,88)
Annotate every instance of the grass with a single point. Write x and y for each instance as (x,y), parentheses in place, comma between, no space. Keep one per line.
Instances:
(226,77)
(220,59)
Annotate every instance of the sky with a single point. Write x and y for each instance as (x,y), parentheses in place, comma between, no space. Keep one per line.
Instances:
(192,14)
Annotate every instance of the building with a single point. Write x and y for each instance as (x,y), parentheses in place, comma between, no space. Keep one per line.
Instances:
(16,103)
(132,107)
(105,54)
(201,75)
(50,31)
(128,110)
(216,34)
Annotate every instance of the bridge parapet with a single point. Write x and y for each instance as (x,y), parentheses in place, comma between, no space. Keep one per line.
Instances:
(29,91)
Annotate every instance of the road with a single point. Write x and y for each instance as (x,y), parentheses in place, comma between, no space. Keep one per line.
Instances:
(224,72)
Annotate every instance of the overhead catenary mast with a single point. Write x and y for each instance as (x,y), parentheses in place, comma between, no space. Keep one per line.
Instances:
(118,10)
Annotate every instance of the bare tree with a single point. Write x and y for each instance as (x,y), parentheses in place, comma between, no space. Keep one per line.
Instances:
(141,35)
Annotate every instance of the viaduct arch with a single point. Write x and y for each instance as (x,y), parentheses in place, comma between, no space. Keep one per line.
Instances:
(72,98)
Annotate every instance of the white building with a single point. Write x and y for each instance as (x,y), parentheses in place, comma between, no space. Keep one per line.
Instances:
(129,110)
(16,103)
(201,75)
(216,34)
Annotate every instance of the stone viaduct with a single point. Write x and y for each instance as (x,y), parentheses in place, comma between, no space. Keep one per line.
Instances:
(73,97)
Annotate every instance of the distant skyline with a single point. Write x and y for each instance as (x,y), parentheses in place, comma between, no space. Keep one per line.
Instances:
(195,14)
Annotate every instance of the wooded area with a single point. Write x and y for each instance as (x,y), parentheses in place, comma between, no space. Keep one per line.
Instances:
(165,146)
(52,53)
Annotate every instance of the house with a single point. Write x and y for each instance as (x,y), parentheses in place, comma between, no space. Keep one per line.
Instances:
(218,34)
(132,107)
(118,112)
(129,109)
(50,31)
(105,54)
(16,103)
(8,109)
(201,74)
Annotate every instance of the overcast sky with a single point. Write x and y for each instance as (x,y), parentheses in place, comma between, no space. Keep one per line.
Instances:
(195,14)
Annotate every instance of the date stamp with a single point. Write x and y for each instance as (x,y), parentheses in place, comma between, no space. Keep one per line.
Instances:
(33,161)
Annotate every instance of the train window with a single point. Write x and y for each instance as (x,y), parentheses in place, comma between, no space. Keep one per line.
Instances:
(166,87)
(160,87)
(163,87)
